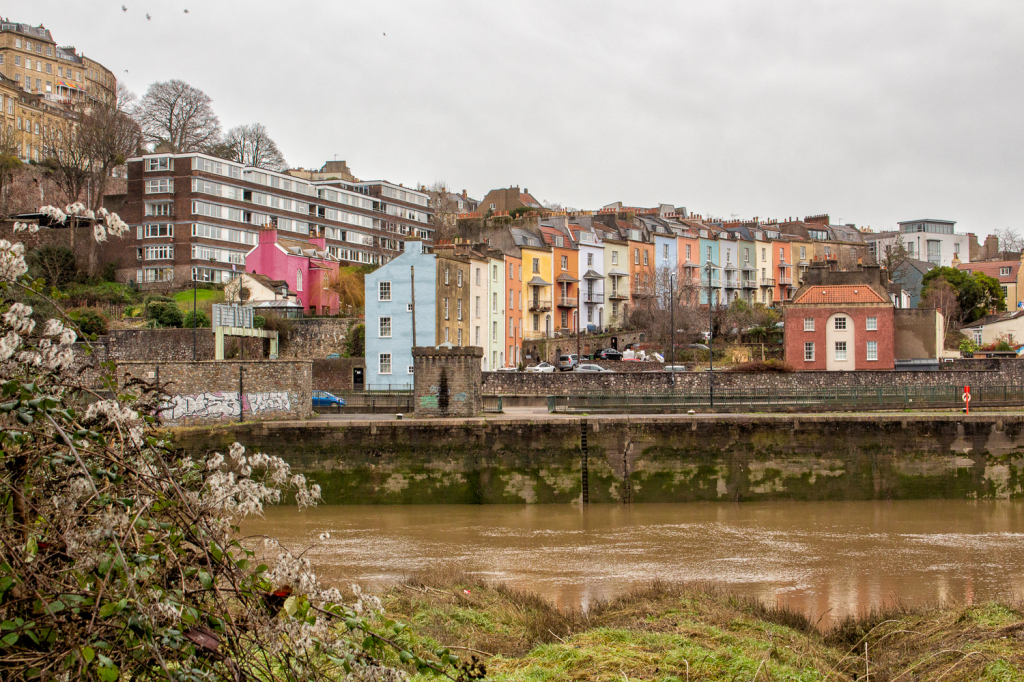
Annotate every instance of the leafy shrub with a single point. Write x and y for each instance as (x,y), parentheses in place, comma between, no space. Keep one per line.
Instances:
(282,325)
(90,321)
(101,292)
(259,322)
(766,366)
(201,320)
(165,313)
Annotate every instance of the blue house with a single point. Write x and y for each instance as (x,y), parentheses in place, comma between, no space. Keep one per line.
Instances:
(389,314)
(709,253)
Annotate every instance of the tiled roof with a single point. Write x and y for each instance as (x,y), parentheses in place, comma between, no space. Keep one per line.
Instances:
(992,269)
(844,293)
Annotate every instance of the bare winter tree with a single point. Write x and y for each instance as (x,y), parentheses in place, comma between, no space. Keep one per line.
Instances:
(67,158)
(942,296)
(1010,241)
(111,135)
(9,162)
(175,112)
(446,210)
(252,145)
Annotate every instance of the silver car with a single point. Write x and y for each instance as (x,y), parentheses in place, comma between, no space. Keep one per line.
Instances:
(593,368)
(542,367)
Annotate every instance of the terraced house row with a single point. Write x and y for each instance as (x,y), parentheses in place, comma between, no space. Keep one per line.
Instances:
(39,82)
(505,282)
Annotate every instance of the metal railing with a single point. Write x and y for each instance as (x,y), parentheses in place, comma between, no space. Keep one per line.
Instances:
(618,294)
(388,388)
(785,280)
(767,282)
(539,304)
(493,404)
(750,284)
(596,297)
(362,403)
(861,398)
(567,301)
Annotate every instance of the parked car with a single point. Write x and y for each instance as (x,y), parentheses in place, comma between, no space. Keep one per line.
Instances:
(593,368)
(542,367)
(608,354)
(333,356)
(696,346)
(325,399)
(506,369)
(567,362)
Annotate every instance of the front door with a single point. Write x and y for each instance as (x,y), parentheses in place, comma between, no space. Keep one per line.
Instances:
(357,378)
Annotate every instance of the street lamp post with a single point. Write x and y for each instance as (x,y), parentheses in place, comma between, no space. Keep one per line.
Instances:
(711,348)
(194,299)
(576,319)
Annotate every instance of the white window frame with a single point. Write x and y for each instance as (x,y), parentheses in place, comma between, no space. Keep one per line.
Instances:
(840,350)
(458,278)
(410,369)
(872,351)
(840,324)
(384,325)
(808,324)
(160,186)
(446,309)
(298,280)
(384,360)
(871,324)
(808,351)
(383,295)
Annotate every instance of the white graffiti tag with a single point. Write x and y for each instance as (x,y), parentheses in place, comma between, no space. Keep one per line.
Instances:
(220,406)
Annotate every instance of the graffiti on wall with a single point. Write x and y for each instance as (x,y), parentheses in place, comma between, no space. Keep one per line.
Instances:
(224,405)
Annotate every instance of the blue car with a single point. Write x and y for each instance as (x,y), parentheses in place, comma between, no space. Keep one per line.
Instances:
(325,399)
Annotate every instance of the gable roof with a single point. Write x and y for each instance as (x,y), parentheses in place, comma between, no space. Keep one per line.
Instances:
(995,319)
(842,293)
(992,269)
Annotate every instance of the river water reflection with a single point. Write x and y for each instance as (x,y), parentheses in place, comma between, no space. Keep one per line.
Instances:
(831,558)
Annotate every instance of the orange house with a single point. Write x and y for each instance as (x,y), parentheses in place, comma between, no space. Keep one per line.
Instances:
(784,268)
(566,266)
(689,263)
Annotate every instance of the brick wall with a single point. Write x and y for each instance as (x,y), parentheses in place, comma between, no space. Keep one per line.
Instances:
(447,381)
(208,392)
(1008,372)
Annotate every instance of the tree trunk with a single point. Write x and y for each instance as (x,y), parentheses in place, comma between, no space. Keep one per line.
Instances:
(19,470)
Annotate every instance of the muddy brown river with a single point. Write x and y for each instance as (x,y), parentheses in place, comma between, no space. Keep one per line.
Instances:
(826,559)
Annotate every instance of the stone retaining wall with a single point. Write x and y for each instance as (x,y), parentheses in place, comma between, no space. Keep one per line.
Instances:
(996,373)
(214,392)
(644,459)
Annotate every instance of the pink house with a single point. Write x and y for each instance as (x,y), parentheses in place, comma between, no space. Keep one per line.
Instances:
(305,265)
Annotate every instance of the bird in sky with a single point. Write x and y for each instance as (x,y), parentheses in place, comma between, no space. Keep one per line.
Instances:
(148,17)
(385,35)
(186,11)
(123,8)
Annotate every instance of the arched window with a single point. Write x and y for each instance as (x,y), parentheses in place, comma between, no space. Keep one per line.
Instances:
(298,280)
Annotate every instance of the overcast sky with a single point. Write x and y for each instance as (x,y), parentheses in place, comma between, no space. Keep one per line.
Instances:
(871,111)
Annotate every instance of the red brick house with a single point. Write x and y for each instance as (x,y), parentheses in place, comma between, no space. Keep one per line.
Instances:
(841,321)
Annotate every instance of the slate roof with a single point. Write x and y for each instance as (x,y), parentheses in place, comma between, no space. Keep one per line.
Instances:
(843,293)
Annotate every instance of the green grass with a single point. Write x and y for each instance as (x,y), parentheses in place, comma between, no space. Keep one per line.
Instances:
(184,298)
(680,632)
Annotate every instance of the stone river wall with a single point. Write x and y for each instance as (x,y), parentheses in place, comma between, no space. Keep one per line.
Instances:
(676,458)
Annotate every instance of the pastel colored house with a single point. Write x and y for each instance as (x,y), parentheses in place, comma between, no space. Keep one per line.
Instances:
(306,266)
(389,314)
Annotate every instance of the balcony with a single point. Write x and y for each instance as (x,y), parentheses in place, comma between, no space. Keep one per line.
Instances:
(767,282)
(539,305)
(732,283)
(749,283)
(616,294)
(785,280)
(567,302)
(592,297)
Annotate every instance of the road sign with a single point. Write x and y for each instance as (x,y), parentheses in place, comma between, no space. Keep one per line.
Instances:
(967,399)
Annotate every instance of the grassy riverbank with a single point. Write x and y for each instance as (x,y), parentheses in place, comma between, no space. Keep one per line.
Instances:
(670,632)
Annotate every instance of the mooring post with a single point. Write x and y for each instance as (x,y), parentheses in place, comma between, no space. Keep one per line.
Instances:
(241,397)
(584,476)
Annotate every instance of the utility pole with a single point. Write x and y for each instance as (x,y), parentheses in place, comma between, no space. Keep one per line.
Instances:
(711,348)
(412,284)
(672,304)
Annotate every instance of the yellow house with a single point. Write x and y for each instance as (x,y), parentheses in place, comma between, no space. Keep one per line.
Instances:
(538,290)
(616,286)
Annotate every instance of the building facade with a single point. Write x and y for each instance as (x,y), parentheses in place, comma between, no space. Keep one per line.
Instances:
(196,216)
(390,335)
(304,264)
